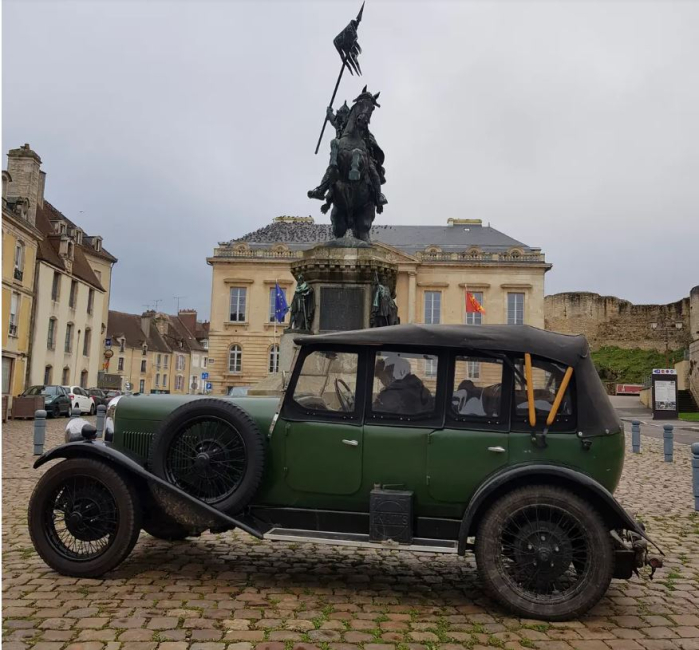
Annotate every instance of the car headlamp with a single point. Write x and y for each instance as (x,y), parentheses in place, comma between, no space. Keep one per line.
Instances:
(110,418)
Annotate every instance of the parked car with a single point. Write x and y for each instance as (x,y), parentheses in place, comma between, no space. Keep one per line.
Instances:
(496,439)
(98,396)
(56,400)
(79,398)
(112,393)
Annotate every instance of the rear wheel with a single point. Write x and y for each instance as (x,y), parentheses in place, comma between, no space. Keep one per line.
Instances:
(55,411)
(544,553)
(212,450)
(84,518)
(92,409)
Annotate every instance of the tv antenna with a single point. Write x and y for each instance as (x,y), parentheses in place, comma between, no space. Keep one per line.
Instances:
(178,298)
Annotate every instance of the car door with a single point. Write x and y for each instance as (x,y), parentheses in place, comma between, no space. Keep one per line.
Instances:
(82,399)
(474,442)
(402,411)
(321,425)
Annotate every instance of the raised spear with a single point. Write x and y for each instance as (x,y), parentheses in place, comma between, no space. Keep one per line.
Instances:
(348,48)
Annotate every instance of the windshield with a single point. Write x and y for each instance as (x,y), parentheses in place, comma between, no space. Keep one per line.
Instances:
(42,390)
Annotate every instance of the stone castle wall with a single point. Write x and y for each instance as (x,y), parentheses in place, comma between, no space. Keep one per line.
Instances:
(610,321)
(694,345)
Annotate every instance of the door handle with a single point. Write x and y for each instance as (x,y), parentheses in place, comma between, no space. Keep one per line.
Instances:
(351,443)
(497,450)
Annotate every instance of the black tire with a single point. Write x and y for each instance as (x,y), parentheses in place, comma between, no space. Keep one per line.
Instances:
(55,411)
(162,526)
(103,525)
(544,553)
(92,409)
(211,449)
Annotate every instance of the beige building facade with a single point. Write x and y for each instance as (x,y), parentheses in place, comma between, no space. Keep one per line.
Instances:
(63,300)
(156,353)
(437,266)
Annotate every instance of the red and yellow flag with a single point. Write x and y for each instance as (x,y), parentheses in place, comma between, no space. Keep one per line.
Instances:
(472,305)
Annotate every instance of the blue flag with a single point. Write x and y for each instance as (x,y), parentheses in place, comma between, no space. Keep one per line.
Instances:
(280,306)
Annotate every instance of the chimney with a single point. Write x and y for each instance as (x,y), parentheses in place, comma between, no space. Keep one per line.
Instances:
(24,165)
(146,319)
(189,319)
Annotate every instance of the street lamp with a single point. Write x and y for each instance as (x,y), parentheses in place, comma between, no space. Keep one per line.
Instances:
(667,327)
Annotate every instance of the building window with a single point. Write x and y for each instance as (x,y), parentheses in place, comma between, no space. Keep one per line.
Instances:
(157,379)
(122,345)
(66,376)
(87,342)
(431,367)
(515,308)
(235,359)
(48,375)
(158,360)
(51,338)
(179,382)
(83,379)
(73,297)
(476,317)
(164,381)
(14,313)
(19,260)
(69,338)
(145,350)
(179,362)
(143,365)
(238,295)
(166,361)
(274,358)
(120,364)
(433,307)
(90,300)
(56,286)
(142,386)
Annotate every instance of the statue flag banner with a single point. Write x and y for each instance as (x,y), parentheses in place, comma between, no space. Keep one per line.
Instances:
(280,306)
(472,305)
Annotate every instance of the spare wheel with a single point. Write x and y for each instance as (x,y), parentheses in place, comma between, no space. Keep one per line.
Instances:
(211,449)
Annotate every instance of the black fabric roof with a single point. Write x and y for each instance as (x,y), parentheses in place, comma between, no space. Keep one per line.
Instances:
(563,348)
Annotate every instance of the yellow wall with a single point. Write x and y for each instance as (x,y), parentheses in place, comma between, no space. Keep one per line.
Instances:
(256,335)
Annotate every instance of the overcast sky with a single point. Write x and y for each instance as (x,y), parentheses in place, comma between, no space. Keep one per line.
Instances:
(167,127)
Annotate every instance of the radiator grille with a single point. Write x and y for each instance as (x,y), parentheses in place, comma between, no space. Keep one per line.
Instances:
(138,442)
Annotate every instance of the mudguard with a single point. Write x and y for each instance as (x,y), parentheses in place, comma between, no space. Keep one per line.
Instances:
(101,451)
(563,476)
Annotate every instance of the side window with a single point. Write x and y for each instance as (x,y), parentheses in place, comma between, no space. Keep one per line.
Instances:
(328,382)
(477,388)
(546,377)
(405,385)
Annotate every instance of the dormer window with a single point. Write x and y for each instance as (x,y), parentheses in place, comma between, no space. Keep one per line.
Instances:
(97,243)
(79,237)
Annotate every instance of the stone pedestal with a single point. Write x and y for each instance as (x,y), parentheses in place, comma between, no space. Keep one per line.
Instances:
(343,274)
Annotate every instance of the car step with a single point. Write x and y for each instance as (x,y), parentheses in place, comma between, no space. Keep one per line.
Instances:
(359,539)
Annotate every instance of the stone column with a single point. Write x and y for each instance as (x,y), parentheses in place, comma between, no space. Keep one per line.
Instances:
(412,295)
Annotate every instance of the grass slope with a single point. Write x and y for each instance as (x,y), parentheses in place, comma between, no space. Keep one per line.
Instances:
(630,366)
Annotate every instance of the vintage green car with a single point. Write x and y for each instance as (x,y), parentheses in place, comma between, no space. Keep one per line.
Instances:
(499,439)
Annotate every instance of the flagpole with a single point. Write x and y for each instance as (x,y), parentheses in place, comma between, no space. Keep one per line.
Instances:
(276,284)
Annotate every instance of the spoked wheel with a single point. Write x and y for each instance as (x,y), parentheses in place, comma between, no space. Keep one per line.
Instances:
(84,519)
(206,459)
(544,553)
(212,450)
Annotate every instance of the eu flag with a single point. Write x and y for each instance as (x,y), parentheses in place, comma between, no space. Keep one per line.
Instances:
(280,306)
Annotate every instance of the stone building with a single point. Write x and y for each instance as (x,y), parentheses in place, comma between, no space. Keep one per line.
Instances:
(70,284)
(694,343)
(156,352)
(437,265)
(610,321)
(20,242)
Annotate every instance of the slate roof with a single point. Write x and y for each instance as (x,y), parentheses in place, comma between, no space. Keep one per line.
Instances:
(128,326)
(49,247)
(410,239)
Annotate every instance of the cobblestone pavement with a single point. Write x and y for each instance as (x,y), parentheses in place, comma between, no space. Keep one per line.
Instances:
(232,592)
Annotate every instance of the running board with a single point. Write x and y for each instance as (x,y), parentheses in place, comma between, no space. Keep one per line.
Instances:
(358,539)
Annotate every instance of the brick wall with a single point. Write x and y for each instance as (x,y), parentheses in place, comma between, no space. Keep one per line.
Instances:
(610,321)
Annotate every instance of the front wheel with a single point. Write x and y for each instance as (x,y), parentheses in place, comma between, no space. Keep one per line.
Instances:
(544,553)
(84,519)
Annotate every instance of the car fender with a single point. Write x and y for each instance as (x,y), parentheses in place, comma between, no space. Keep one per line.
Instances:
(519,475)
(105,453)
